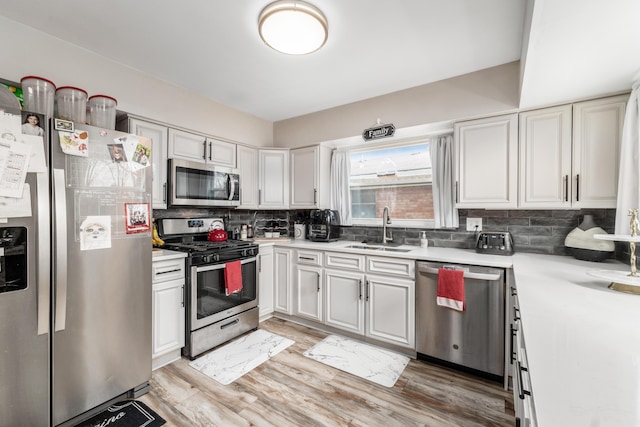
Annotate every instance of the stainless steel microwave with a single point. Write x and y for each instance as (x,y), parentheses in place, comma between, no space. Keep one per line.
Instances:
(199,184)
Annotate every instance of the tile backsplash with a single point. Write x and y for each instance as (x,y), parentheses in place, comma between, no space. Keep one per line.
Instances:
(533,231)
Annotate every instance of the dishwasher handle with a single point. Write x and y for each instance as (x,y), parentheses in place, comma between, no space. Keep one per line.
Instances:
(467,274)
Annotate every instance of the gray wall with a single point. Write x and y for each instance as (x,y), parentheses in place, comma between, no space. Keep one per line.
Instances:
(490,91)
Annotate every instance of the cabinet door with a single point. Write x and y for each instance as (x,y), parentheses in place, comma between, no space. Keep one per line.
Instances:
(274,179)
(168,317)
(545,158)
(390,310)
(187,146)
(248,170)
(159,135)
(308,293)
(597,134)
(486,153)
(344,300)
(282,266)
(265,281)
(221,153)
(304,178)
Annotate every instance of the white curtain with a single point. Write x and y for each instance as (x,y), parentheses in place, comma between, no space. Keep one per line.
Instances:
(443,186)
(340,192)
(629,177)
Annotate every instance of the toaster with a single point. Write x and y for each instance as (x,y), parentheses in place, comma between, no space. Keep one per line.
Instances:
(324,225)
(494,242)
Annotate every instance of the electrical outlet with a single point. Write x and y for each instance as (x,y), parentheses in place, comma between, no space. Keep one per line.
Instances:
(472,222)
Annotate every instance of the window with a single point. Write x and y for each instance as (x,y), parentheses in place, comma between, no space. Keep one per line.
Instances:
(399,177)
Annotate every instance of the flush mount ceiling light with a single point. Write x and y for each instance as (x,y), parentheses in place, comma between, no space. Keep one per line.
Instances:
(293,27)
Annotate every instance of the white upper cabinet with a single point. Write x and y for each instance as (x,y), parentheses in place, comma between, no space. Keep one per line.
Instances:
(486,152)
(198,148)
(221,153)
(310,177)
(159,135)
(597,134)
(569,155)
(248,170)
(545,158)
(273,179)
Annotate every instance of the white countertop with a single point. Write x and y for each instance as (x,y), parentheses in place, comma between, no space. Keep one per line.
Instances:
(452,255)
(582,341)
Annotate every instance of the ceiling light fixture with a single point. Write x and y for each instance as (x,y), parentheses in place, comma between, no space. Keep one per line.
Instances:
(293,27)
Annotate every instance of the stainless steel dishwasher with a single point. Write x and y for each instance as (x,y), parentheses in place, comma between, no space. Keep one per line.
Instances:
(472,339)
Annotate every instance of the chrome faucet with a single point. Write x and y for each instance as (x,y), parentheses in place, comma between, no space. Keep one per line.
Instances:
(386,219)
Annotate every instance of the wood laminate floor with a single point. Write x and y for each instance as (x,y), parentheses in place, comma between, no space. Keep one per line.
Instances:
(292,390)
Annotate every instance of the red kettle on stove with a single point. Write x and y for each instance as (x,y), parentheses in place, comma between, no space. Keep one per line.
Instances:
(217,236)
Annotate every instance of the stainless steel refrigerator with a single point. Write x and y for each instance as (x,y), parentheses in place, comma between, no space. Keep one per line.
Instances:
(75,281)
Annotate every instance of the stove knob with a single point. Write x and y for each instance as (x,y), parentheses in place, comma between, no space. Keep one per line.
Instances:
(206,258)
(216,257)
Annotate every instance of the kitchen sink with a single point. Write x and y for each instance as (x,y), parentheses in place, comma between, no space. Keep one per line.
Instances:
(378,248)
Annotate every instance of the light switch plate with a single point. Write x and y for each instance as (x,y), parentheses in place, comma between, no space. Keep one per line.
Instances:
(472,222)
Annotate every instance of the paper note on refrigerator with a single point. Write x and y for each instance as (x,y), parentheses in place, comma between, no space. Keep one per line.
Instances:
(11,207)
(14,163)
(37,161)
(95,233)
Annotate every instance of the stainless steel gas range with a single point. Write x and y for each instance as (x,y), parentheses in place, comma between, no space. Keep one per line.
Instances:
(213,317)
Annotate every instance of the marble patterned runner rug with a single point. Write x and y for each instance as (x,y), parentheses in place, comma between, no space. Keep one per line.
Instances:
(231,361)
(366,361)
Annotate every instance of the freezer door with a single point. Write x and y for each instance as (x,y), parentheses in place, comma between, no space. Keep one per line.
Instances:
(102,272)
(24,311)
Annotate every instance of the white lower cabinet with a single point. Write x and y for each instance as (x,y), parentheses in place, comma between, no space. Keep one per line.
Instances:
(344,300)
(282,280)
(168,310)
(372,296)
(308,292)
(390,310)
(265,281)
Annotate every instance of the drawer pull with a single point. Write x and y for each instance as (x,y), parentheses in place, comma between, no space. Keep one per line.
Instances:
(307,258)
(168,271)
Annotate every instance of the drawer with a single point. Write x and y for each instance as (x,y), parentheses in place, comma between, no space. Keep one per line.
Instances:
(171,269)
(344,261)
(392,266)
(309,257)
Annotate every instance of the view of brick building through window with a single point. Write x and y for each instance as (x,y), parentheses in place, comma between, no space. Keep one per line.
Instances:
(398,177)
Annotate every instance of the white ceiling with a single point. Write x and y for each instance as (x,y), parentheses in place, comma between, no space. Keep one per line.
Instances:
(374,47)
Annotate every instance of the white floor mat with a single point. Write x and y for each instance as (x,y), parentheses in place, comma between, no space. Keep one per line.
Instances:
(366,361)
(231,361)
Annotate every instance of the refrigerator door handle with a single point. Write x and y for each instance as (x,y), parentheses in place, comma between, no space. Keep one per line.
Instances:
(44,263)
(60,207)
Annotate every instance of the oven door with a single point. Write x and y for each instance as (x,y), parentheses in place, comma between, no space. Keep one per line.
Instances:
(209,302)
(199,184)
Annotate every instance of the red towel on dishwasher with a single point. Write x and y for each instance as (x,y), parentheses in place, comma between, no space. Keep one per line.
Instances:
(451,288)
(233,277)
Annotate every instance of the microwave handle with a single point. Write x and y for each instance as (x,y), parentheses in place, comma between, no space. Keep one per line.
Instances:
(231,187)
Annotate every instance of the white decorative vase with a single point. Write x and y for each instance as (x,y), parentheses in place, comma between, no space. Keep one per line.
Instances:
(582,245)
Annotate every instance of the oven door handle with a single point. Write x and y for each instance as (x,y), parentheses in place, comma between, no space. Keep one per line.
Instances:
(217,265)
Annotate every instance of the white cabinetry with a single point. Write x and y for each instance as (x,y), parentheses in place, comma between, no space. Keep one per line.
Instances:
(159,135)
(597,134)
(248,170)
(265,281)
(487,162)
(168,309)
(273,179)
(378,301)
(282,275)
(199,148)
(569,155)
(310,177)
(545,158)
(308,285)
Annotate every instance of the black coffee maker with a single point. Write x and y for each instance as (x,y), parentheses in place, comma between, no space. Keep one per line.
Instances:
(324,225)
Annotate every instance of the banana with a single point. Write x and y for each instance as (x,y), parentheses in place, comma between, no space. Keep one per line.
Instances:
(155,239)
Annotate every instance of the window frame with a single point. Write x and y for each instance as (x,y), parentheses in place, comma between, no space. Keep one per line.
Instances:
(395,222)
